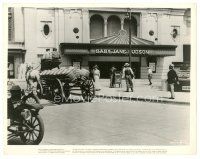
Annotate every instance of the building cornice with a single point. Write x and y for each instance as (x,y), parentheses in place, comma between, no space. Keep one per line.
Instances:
(171,11)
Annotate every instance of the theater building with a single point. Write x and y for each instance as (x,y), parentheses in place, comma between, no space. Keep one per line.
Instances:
(89,36)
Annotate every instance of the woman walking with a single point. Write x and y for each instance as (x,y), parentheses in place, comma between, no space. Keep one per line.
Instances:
(96,74)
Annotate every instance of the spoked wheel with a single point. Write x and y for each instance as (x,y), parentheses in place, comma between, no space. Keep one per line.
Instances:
(66,89)
(34,130)
(57,91)
(31,99)
(88,91)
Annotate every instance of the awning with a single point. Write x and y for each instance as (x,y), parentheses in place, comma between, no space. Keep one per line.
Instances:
(122,38)
(16,51)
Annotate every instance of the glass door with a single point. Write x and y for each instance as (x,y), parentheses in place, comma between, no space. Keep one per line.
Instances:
(11,69)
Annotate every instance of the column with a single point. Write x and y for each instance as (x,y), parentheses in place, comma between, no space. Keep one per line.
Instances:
(56,28)
(61,26)
(105,27)
(86,26)
(67,24)
(122,23)
(143,24)
(30,30)
(138,29)
(18,25)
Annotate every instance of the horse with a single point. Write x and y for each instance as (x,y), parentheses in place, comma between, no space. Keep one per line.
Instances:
(32,77)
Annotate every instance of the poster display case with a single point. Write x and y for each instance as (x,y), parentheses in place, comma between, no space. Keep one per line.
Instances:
(183,72)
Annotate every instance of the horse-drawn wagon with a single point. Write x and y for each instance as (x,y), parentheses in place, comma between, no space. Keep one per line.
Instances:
(56,83)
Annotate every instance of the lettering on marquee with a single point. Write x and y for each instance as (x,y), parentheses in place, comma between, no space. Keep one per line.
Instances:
(120,51)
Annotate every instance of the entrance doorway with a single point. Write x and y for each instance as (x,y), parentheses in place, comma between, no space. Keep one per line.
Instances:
(105,67)
(11,69)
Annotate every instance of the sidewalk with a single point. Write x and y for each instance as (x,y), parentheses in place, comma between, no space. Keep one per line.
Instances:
(142,92)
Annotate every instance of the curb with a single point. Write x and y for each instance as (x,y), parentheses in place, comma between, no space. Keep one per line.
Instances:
(140,99)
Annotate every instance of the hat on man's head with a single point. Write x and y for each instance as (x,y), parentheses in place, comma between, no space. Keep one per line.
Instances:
(126,65)
(29,65)
(171,66)
(95,66)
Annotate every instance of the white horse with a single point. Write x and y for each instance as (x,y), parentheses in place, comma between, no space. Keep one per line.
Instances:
(32,77)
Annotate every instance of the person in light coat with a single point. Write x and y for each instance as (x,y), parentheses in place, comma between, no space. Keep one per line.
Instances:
(150,74)
(96,74)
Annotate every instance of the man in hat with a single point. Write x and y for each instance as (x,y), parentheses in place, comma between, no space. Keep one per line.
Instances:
(149,74)
(128,75)
(172,79)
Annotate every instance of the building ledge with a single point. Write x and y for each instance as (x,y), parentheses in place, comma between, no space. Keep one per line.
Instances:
(16,45)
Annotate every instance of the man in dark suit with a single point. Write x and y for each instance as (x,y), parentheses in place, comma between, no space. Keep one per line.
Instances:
(172,79)
(112,76)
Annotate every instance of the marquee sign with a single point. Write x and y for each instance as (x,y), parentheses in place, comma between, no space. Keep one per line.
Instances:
(121,51)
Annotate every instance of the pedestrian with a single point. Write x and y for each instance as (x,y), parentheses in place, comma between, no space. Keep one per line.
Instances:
(128,75)
(91,75)
(149,75)
(96,74)
(133,78)
(172,79)
(112,76)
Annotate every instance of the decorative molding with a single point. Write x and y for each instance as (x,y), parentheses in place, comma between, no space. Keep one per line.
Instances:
(159,15)
(154,15)
(78,11)
(122,21)
(67,11)
(144,14)
(85,11)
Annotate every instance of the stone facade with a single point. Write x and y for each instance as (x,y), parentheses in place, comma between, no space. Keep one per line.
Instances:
(60,23)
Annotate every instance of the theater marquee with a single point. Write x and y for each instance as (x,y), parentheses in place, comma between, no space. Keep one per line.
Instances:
(121,51)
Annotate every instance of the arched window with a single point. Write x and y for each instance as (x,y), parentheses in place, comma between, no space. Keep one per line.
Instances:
(96,27)
(114,25)
(133,26)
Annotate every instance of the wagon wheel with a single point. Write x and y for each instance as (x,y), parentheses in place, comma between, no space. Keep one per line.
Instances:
(66,89)
(88,91)
(57,91)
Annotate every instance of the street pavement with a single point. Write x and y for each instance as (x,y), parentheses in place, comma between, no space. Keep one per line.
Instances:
(116,122)
(143,117)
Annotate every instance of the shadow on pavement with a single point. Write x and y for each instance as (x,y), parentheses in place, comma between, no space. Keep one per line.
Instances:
(15,141)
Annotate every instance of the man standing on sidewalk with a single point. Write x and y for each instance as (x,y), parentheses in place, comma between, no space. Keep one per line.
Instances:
(128,75)
(149,75)
(172,79)
(112,76)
